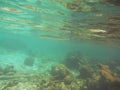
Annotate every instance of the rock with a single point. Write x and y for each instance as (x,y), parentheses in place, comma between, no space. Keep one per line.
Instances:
(74,60)
(24,86)
(62,73)
(29,61)
(108,74)
(86,72)
(114,2)
(8,70)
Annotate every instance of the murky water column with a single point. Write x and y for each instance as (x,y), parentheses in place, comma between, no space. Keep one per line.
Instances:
(55,28)
(32,29)
(59,45)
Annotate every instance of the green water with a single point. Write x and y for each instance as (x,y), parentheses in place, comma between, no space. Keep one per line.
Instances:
(46,31)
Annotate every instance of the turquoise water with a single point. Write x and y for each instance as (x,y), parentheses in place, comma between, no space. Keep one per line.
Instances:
(36,35)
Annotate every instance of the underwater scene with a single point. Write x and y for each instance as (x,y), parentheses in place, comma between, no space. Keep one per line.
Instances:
(59,44)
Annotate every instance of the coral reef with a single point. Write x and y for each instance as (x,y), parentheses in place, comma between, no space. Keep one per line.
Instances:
(86,72)
(108,74)
(105,80)
(21,82)
(112,81)
(61,73)
(87,77)
(8,70)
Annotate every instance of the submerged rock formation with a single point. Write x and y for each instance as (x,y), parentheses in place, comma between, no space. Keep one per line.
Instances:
(74,60)
(61,73)
(108,74)
(29,61)
(8,70)
(112,80)
(86,72)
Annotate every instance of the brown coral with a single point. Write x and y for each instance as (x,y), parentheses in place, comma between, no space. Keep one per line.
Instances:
(108,74)
(62,73)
